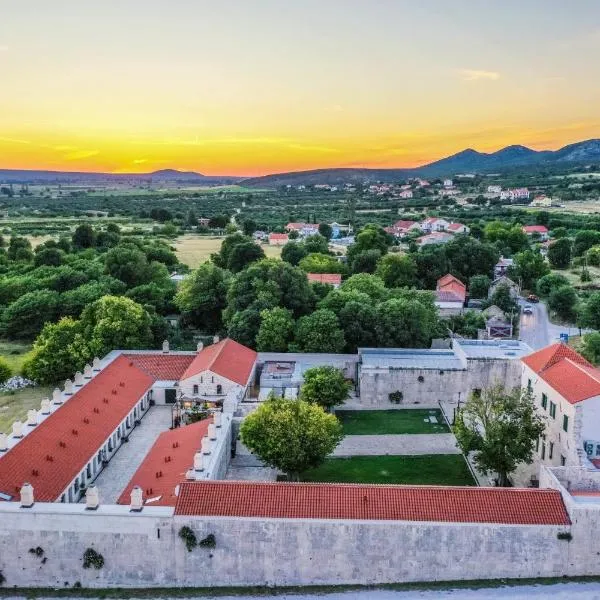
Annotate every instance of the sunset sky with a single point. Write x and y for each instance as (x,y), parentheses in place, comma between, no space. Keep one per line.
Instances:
(246,87)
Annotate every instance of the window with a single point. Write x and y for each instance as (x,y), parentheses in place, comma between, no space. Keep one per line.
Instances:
(563,461)
(551,450)
(219,389)
(565,423)
(195,389)
(201,378)
(529,385)
(212,379)
(544,401)
(543,454)
(537,445)
(553,410)
(476,393)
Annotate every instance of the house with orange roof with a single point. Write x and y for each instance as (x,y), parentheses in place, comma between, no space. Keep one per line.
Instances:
(451,294)
(278,239)
(334,279)
(566,388)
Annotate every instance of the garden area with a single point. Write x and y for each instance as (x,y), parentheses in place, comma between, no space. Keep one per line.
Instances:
(381,422)
(433,469)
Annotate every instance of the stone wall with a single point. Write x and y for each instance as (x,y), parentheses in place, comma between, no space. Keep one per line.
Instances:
(144,550)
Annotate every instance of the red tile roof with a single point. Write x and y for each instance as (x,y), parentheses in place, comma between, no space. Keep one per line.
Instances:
(278,236)
(299,226)
(451,285)
(404,224)
(59,448)
(455,226)
(162,367)
(566,371)
(329,278)
(376,502)
(535,229)
(226,358)
(446,296)
(166,464)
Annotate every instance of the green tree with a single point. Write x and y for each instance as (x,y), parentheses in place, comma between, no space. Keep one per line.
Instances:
(5,370)
(468,324)
(27,315)
(84,236)
(365,261)
(467,257)
(321,263)
(371,237)
(113,323)
(244,326)
(249,226)
(432,263)
(243,254)
(158,297)
(590,316)
(559,253)
(501,427)
(584,240)
(358,321)
(72,302)
(319,332)
(503,299)
(397,270)
(129,264)
(316,244)
(52,257)
(406,323)
(292,436)
(58,352)
(563,301)
(548,283)
(368,284)
(325,386)
(504,235)
(293,253)
(201,297)
(325,230)
(19,248)
(529,266)
(276,330)
(591,347)
(479,286)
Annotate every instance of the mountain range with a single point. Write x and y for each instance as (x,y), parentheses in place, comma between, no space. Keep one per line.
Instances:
(466,161)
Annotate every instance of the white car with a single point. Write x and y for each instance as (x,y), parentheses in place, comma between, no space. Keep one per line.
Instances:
(528,309)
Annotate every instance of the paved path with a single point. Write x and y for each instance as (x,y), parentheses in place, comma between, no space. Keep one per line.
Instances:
(115,477)
(408,444)
(247,467)
(560,591)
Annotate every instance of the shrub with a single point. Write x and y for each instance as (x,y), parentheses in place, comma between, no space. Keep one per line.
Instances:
(5,371)
(188,537)
(94,559)
(208,542)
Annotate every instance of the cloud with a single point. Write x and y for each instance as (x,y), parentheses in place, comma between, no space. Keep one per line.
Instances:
(80,154)
(475,75)
(140,161)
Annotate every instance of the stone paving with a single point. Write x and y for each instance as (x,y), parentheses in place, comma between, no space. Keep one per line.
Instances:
(405,444)
(119,471)
(247,467)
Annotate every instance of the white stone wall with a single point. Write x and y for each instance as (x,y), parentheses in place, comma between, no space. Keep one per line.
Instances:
(207,383)
(143,550)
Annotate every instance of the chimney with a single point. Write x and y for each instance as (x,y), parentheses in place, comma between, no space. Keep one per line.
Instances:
(198,462)
(32,418)
(68,387)
(217,418)
(27,496)
(3,442)
(216,339)
(78,379)
(88,372)
(96,364)
(17,429)
(200,347)
(212,432)
(57,396)
(165,347)
(92,498)
(206,445)
(45,407)
(137,499)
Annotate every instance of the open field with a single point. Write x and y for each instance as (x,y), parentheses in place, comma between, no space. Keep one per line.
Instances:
(14,405)
(381,422)
(193,250)
(432,469)
(15,354)
(574,275)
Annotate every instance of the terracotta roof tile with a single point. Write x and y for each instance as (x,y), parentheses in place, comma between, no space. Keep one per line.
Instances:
(59,448)
(226,358)
(162,367)
(330,278)
(166,464)
(377,502)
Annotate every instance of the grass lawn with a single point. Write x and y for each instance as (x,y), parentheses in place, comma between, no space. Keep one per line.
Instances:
(15,354)
(14,405)
(431,469)
(378,422)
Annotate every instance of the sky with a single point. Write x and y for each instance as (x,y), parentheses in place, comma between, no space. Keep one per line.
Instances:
(250,87)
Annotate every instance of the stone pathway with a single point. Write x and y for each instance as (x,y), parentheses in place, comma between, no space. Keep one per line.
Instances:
(407,444)
(247,467)
(115,477)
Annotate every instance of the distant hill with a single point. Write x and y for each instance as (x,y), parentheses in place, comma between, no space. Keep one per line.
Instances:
(166,175)
(466,161)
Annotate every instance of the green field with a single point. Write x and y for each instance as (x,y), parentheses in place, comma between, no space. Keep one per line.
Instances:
(379,422)
(432,469)
(14,405)
(15,354)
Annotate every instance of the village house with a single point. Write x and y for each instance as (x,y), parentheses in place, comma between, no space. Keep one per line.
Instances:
(515,194)
(432,224)
(406,194)
(448,183)
(334,279)
(538,231)
(458,228)
(303,229)
(494,189)
(503,280)
(278,239)
(436,237)
(450,294)
(502,266)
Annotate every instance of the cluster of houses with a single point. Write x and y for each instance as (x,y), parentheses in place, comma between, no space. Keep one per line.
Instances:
(435,229)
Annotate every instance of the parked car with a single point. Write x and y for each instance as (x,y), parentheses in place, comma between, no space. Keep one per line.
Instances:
(528,309)
(532,298)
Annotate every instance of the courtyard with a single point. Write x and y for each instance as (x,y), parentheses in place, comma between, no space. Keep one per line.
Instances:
(433,469)
(401,421)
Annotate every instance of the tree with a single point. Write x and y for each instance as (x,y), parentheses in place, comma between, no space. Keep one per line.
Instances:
(479,286)
(321,263)
(371,285)
(201,297)
(116,323)
(129,264)
(19,248)
(432,263)
(249,226)
(468,324)
(293,253)
(291,435)
(563,301)
(243,254)
(325,386)
(406,323)
(52,257)
(276,330)
(358,321)
(58,352)
(319,332)
(84,236)
(72,302)
(317,244)
(504,235)
(590,316)
(529,266)
(591,347)
(397,270)
(548,283)
(503,299)
(584,240)
(559,253)
(27,315)
(468,257)
(221,258)
(365,261)
(371,237)
(325,230)
(5,370)
(244,326)
(154,296)
(501,427)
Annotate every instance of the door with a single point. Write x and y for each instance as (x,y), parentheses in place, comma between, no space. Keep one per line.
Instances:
(170,396)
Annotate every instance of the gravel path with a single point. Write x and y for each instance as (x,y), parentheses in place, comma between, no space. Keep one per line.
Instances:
(409,444)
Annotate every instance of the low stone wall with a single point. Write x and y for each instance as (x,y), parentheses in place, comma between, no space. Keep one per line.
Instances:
(144,550)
